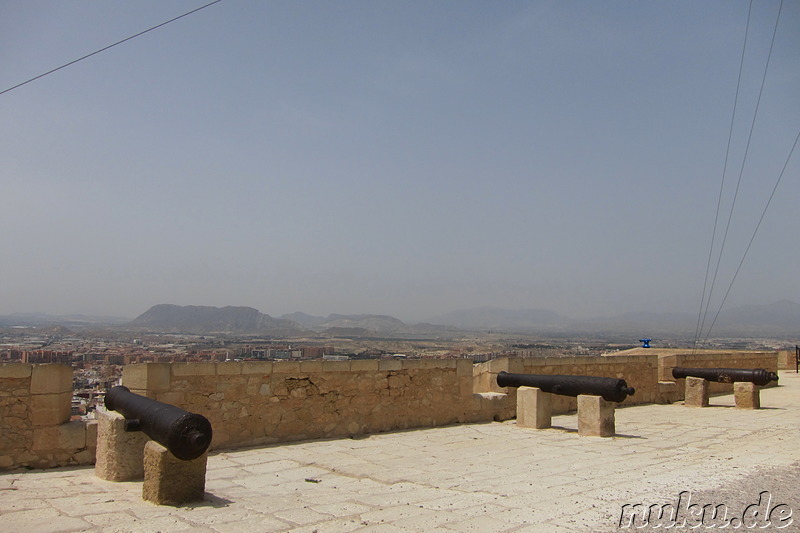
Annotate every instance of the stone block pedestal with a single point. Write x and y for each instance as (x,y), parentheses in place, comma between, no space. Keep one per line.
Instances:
(747,396)
(171,481)
(119,453)
(534,408)
(595,416)
(696,392)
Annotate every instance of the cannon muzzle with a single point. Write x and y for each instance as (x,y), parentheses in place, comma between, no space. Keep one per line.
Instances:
(611,389)
(758,376)
(187,435)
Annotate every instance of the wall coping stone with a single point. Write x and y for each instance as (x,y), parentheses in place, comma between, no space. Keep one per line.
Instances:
(194,369)
(51,378)
(255,367)
(15,370)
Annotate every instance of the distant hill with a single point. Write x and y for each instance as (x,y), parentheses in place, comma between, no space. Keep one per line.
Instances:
(368,326)
(369,323)
(352,325)
(782,314)
(382,324)
(496,318)
(308,321)
(207,319)
(348,332)
(780,318)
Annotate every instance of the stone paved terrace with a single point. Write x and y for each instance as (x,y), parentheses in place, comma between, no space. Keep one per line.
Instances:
(478,477)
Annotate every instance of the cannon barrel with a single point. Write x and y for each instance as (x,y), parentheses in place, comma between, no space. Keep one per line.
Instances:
(611,389)
(759,376)
(187,435)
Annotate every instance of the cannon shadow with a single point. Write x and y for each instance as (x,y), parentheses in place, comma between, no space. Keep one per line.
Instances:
(574,430)
(209,500)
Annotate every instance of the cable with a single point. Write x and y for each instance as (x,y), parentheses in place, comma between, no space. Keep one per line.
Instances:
(741,170)
(703,302)
(775,188)
(109,46)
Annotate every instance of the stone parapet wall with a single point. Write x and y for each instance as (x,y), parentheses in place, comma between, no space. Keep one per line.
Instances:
(261,402)
(787,360)
(722,359)
(265,402)
(639,371)
(16,427)
(668,358)
(34,418)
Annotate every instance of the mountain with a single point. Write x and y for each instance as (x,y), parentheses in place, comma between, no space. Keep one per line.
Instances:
(357,325)
(643,323)
(382,324)
(369,326)
(777,319)
(782,314)
(780,318)
(308,321)
(503,319)
(207,319)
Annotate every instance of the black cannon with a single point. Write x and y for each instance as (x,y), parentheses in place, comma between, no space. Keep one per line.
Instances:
(758,376)
(611,389)
(187,435)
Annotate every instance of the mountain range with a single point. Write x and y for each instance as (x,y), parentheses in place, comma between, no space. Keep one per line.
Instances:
(778,319)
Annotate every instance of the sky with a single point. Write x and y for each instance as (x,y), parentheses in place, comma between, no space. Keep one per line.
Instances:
(400,158)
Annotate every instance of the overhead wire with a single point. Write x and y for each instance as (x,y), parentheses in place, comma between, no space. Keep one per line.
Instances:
(109,46)
(701,314)
(752,238)
(738,183)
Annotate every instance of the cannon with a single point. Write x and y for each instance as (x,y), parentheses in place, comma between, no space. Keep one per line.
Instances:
(610,389)
(757,376)
(186,435)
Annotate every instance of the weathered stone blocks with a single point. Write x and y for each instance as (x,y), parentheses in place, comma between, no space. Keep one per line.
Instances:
(169,480)
(15,370)
(534,408)
(147,379)
(50,409)
(64,437)
(747,396)
(119,453)
(595,416)
(696,392)
(51,379)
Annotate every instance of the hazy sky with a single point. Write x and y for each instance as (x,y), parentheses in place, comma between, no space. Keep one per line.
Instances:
(405,158)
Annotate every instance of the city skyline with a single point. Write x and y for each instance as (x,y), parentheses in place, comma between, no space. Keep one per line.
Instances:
(398,159)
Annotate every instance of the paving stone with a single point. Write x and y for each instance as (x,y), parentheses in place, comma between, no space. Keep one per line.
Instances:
(264,524)
(41,521)
(341,509)
(332,526)
(301,516)
(481,524)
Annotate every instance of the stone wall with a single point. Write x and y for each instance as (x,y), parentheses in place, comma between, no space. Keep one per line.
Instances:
(35,430)
(671,390)
(251,403)
(639,371)
(787,360)
(265,402)
(721,359)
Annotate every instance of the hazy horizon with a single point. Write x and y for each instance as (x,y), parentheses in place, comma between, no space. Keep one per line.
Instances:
(406,159)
